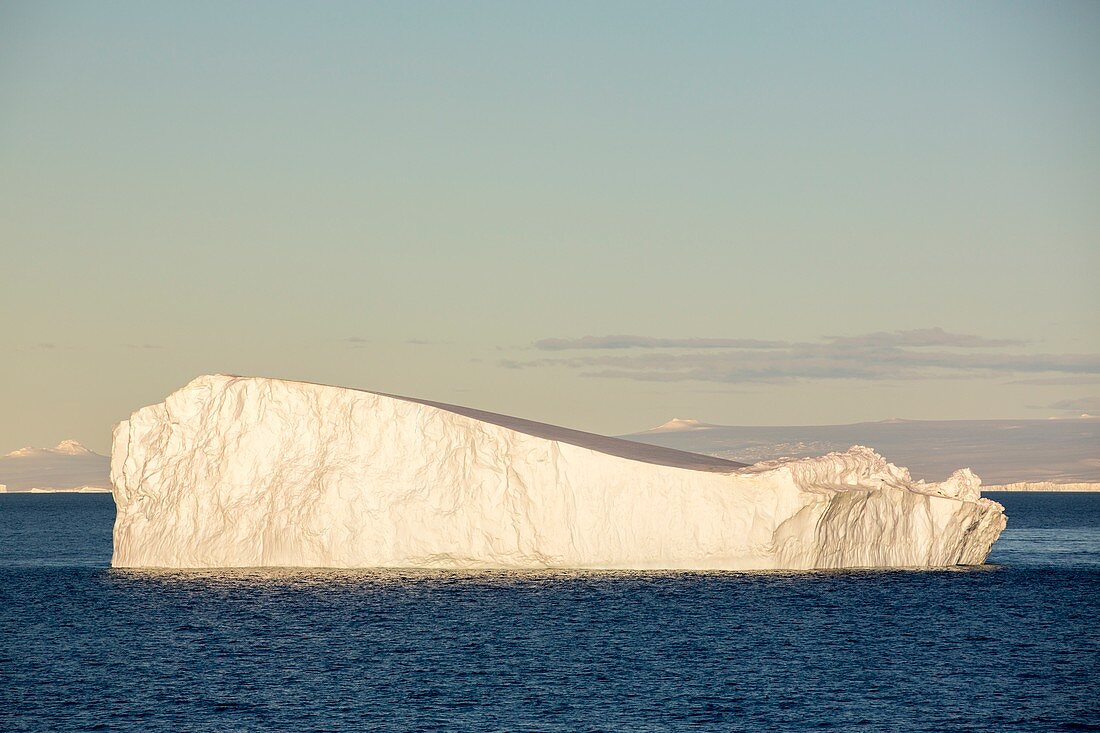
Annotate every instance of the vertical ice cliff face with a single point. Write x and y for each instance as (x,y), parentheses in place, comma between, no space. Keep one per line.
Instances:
(232,471)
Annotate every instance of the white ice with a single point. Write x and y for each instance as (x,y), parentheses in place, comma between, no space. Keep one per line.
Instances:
(233,471)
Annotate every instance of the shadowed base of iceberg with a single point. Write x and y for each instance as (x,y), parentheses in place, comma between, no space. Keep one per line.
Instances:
(251,472)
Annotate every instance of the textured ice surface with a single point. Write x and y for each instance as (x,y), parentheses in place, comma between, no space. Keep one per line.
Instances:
(233,471)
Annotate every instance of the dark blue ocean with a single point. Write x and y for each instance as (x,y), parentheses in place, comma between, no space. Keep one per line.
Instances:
(1011,646)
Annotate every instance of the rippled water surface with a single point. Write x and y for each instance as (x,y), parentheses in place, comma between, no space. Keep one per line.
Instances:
(1014,645)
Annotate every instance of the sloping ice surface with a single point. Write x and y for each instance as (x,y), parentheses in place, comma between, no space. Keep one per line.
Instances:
(239,472)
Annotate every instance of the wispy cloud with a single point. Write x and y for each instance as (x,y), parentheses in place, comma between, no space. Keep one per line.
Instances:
(914,354)
(357,342)
(923,337)
(1059,381)
(1079,404)
(919,337)
(648,342)
(41,346)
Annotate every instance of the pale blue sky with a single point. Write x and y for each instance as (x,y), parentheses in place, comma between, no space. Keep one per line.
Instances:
(407,197)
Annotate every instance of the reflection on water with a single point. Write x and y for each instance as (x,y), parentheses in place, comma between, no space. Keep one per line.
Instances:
(1049,530)
(1033,547)
(1007,646)
(388,577)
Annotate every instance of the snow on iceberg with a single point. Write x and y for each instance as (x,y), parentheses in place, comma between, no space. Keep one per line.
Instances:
(233,471)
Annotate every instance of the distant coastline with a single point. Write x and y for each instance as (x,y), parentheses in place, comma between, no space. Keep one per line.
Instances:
(67,468)
(53,490)
(1044,486)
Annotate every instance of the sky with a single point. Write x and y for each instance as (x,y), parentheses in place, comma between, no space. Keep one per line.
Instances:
(600,215)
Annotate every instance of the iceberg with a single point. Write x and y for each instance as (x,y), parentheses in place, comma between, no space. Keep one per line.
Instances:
(245,472)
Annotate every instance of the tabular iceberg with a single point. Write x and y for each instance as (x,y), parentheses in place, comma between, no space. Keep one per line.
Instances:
(235,472)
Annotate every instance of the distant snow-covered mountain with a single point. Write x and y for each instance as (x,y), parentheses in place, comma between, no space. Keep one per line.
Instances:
(68,466)
(680,425)
(1063,451)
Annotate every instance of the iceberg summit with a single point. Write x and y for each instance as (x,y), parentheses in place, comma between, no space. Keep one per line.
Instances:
(245,472)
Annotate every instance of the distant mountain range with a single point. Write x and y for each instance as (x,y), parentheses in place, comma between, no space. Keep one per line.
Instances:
(1064,451)
(68,466)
